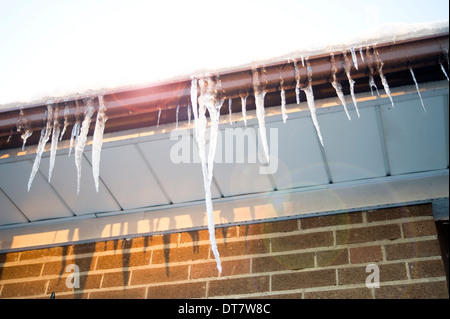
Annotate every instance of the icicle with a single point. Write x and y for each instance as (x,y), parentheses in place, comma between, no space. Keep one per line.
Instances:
(244,108)
(194,102)
(361,54)
(208,100)
(66,121)
(303,60)
(310,101)
(81,140)
(23,124)
(45,135)
(338,87)
(370,62)
(159,117)
(230,101)
(355,60)
(283,99)
(383,78)
(350,81)
(297,85)
(260,93)
(176,117)
(373,84)
(189,116)
(417,88)
(98,139)
(443,70)
(75,129)
(54,145)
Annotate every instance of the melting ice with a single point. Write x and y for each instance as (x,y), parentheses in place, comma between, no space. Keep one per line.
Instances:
(383,78)
(54,145)
(417,88)
(98,139)
(260,93)
(23,124)
(355,60)
(297,85)
(337,86)
(45,135)
(81,140)
(244,108)
(310,101)
(283,99)
(443,70)
(208,100)
(350,81)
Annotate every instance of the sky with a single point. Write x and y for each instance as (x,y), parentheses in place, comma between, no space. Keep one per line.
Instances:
(53,48)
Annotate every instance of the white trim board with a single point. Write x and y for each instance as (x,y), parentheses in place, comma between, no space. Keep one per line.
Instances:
(330,199)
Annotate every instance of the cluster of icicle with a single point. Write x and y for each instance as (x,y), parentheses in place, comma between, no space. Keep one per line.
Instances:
(78,137)
(205,95)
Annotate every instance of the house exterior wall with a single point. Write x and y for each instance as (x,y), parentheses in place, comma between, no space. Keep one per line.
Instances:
(314,257)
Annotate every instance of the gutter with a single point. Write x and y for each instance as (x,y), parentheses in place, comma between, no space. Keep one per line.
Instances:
(139,107)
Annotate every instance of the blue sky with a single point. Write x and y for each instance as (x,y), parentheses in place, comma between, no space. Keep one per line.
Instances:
(49,48)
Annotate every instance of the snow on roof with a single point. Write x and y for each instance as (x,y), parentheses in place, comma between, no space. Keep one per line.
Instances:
(385,33)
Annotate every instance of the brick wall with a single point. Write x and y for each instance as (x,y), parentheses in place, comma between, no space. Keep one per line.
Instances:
(316,257)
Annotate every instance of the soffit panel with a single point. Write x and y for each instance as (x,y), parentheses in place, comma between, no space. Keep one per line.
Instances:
(415,140)
(41,202)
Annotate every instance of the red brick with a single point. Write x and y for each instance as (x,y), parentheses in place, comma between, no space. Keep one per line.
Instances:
(399,212)
(177,254)
(283,262)
(332,257)
(246,285)
(86,282)
(116,279)
(302,241)
(59,267)
(331,220)
(367,234)
(20,271)
(160,274)
(419,228)
(9,257)
(429,290)
(358,275)
(244,247)
(268,228)
(414,249)
(123,260)
(45,252)
(304,279)
(365,254)
(125,293)
(354,293)
(24,289)
(178,291)
(426,269)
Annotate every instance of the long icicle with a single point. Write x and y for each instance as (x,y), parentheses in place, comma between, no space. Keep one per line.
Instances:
(244,107)
(75,129)
(260,93)
(283,99)
(338,87)
(24,124)
(350,81)
(45,135)
(54,145)
(417,88)
(98,139)
(380,65)
(208,100)
(66,121)
(82,138)
(297,82)
(310,101)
